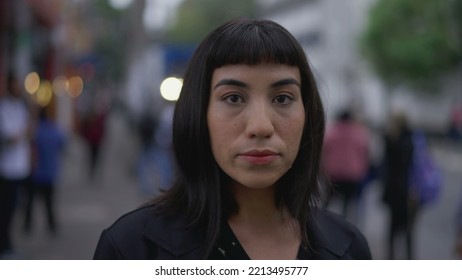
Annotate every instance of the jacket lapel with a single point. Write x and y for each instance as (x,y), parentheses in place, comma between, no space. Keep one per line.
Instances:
(327,237)
(174,236)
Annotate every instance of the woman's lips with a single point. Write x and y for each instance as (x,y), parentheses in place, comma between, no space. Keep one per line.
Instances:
(259,157)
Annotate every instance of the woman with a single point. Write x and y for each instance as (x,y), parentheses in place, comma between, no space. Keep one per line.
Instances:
(247,134)
(345,158)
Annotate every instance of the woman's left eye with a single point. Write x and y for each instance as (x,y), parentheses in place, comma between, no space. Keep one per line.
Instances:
(234,99)
(283,99)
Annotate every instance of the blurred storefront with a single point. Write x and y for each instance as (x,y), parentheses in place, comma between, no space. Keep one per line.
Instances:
(27,32)
(33,39)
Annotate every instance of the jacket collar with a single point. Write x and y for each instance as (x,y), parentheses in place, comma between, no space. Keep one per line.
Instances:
(325,233)
(174,236)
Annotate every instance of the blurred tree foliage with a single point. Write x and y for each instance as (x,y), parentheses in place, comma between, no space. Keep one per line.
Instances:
(196,18)
(414,42)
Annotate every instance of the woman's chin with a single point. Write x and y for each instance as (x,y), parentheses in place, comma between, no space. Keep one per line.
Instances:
(256,184)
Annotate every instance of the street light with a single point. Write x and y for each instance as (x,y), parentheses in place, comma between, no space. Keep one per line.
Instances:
(170,88)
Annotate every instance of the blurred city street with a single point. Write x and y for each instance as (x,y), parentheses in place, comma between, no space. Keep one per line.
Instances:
(85,208)
(77,61)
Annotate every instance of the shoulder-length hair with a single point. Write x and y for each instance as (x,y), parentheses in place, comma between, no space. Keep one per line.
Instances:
(200,192)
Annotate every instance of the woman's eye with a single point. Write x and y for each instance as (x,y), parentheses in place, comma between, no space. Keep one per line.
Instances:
(283,99)
(234,99)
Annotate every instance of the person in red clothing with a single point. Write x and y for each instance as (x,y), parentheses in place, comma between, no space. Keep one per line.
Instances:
(93,128)
(458,227)
(345,158)
(455,124)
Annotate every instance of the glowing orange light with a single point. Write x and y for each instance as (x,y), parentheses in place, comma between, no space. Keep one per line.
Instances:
(75,86)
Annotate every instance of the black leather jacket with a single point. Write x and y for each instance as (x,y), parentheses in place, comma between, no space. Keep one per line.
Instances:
(143,234)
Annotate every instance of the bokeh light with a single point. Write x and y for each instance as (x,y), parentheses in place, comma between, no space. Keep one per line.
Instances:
(44,93)
(60,85)
(32,82)
(75,86)
(170,88)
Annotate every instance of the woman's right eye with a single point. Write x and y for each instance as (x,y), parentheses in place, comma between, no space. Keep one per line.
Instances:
(234,99)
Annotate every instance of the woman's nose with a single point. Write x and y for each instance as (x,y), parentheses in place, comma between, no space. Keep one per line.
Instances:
(259,123)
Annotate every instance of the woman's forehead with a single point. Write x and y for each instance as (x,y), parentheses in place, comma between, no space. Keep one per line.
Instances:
(270,70)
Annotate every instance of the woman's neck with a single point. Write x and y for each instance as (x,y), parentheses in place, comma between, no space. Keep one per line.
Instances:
(256,205)
(264,230)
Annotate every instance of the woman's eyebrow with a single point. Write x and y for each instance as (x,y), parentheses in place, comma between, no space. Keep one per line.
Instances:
(231,82)
(283,82)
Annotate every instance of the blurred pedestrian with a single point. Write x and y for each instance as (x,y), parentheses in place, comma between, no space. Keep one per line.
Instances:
(458,226)
(147,175)
(164,153)
(346,158)
(93,130)
(156,161)
(15,157)
(455,122)
(247,135)
(48,143)
(398,158)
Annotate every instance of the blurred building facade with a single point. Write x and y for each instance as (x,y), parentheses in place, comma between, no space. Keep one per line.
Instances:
(37,37)
(329,31)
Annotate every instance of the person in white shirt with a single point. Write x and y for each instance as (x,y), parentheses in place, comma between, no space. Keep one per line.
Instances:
(15,156)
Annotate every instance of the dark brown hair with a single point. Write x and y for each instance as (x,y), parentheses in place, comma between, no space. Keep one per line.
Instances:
(199,191)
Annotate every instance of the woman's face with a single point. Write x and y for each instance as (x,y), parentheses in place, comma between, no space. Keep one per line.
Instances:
(255,118)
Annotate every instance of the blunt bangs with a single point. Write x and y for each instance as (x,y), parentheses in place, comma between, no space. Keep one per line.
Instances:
(253,42)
